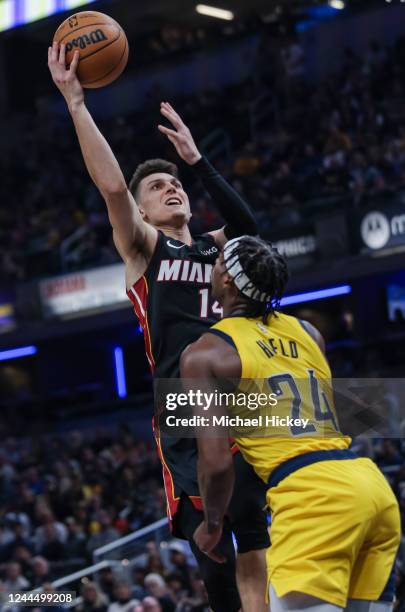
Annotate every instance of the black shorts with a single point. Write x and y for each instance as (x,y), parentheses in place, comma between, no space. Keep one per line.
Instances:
(247,510)
(246,519)
(246,513)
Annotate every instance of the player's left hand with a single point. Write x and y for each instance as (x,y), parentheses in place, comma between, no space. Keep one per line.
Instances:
(181,136)
(207,542)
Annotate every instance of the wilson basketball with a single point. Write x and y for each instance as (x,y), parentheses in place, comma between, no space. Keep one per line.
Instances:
(102,43)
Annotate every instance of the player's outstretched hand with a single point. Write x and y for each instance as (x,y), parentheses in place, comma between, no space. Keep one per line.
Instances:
(181,136)
(64,78)
(208,541)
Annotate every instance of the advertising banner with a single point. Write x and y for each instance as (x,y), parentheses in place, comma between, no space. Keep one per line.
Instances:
(71,294)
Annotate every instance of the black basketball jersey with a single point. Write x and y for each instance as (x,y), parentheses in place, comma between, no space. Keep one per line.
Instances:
(174,306)
(172,300)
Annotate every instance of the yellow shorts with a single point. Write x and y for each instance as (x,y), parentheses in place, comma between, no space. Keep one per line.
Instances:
(335,531)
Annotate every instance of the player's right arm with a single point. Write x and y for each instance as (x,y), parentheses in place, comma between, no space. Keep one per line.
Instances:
(133,238)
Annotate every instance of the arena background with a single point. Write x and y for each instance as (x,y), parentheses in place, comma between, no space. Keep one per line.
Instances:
(301,106)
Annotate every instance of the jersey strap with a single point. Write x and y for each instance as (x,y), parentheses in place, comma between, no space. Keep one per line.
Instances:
(223,335)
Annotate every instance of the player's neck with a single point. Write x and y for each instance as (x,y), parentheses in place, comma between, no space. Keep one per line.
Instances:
(234,308)
(182,233)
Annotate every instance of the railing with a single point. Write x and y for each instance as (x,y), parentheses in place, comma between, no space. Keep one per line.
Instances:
(262,112)
(116,555)
(132,544)
(217,145)
(71,248)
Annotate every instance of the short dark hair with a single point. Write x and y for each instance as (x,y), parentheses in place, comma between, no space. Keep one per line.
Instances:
(151,166)
(267,270)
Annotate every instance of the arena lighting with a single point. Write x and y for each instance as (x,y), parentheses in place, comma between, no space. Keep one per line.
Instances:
(19,12)
(213,11)
(337,4)
(320,294)
(120,372)
(23,351)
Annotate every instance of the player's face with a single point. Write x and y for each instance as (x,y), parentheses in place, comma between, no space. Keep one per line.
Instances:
(162,200)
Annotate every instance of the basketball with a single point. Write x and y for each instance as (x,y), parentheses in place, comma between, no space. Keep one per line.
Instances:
(102,44)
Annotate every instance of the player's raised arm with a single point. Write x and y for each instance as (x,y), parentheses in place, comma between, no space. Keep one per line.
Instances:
(131,234)
(236,212)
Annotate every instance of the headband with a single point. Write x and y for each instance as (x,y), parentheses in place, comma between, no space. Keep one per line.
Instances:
(240,278)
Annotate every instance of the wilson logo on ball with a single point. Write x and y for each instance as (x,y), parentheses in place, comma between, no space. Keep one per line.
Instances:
(81,42)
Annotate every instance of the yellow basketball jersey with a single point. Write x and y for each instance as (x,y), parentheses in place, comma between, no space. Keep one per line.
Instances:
(282,360)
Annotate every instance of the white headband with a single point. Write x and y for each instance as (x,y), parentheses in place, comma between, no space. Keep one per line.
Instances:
(241,280)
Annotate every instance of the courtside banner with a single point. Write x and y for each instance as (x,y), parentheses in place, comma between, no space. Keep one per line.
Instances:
(76,293)
(281,406)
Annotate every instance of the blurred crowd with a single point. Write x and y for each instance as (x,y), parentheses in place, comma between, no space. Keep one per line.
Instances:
(62,498)
(303,144)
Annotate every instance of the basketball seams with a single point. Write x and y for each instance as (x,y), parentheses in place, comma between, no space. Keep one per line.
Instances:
(126,48)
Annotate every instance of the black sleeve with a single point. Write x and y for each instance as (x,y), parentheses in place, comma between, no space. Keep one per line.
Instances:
(236,212)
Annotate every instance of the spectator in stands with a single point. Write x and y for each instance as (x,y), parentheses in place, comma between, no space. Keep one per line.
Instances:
(14,580)
(105,532)
(153,562)
(49,530)
(197,601)
(15,512)
(123,601)
(107,581)
(16,532)
(176,586)
(151,604)
(23,556)
(139,591)
(40,572)
(157,587)
(93,600)
(75,545)
(179,560)
(293,58)
(52,548)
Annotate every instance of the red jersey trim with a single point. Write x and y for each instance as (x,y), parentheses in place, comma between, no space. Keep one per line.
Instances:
(172,501)
(138,294)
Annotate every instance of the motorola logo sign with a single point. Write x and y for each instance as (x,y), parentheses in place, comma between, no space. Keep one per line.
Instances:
(375,230)
(378,229)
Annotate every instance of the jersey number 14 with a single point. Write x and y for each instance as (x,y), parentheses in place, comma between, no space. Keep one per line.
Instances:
(205,305)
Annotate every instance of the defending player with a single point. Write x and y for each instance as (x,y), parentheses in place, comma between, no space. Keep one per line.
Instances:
(168,280)
(335,521)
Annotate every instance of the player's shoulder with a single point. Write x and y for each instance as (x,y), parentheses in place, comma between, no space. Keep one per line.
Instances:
(314,333)
(206,240)
(210,353)
(305,326)
(196,356)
